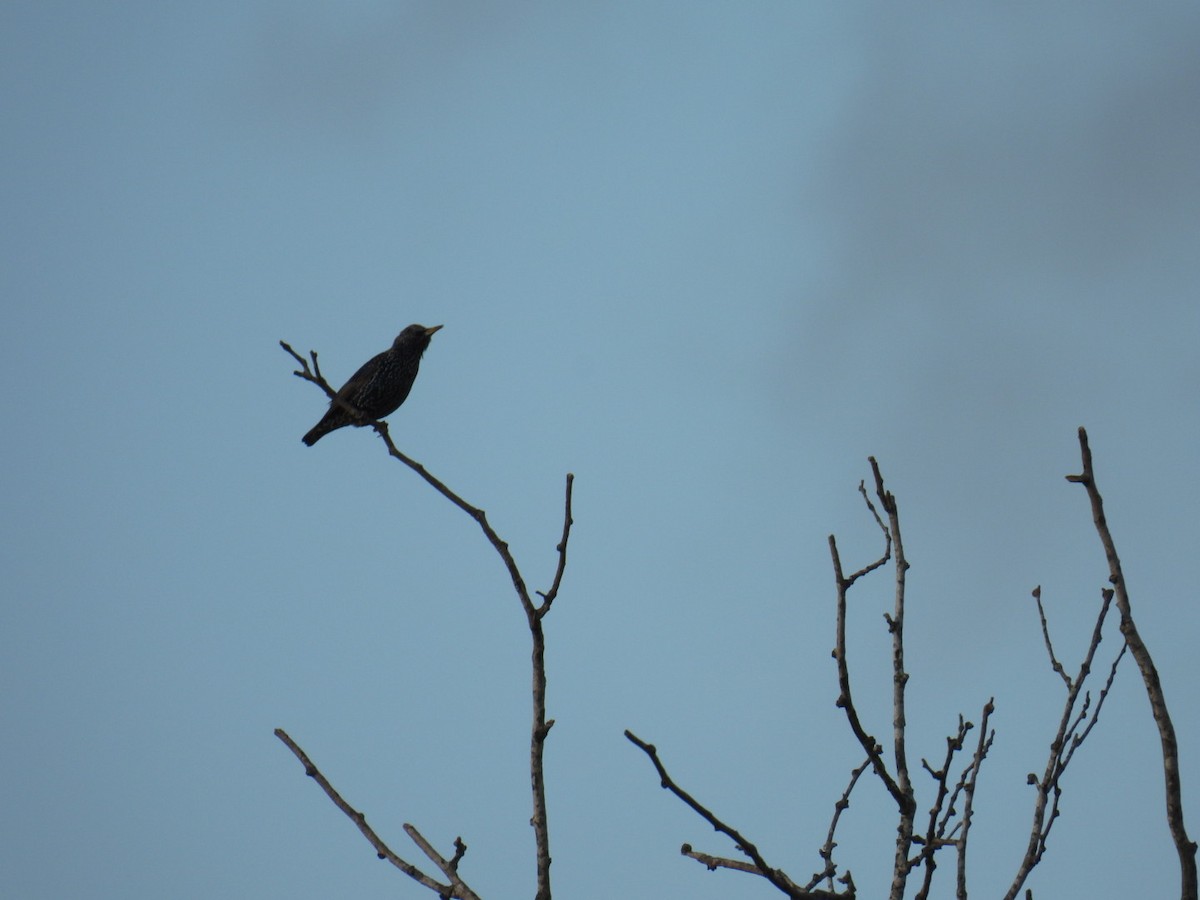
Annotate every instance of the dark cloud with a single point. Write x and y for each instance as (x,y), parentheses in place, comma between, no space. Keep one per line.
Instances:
(982,146)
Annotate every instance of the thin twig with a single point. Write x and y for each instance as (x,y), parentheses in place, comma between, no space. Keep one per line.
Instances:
(1049,790)
(777,877)
(548,596)
(1054,663)
(933,839)
(826,851)
(968,781)
(845,700)
(1112,674)
(479,515)
(887,540)
(456,888)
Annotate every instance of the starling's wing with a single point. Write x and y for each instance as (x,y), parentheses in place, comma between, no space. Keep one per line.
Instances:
(361,378)
(365,372)
(337,416)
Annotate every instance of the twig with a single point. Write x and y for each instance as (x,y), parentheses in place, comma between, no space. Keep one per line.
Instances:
(548,596)
(1108,683)
(1049,791)
(456,888)
(314,374)
(899,785)
(826,851)
(777,877)
(1184,846)
(845,700)
(934,839)
(968,781)
(887,540)
(1054,663)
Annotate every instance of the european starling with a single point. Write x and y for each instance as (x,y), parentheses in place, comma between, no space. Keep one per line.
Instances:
(380,386)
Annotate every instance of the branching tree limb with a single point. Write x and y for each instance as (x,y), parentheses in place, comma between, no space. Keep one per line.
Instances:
(534,613)
(826,852)
(757,865)
(935,837)
(898,785)
(945,826)
(1074,725)
(456,888)
(845,699)
(1184,846)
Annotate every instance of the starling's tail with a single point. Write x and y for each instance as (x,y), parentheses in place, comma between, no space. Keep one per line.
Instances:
(318,431)
(333,419)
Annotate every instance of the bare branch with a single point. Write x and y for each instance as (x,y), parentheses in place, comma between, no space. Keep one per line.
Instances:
(314,375)
(906,800)
(1054,663)
(712,863)
(1049,791)
(1184,846)
(456,887)
(845,700)
(777,877)
(533,612)
(548,596)
(480,517)
(1108,683)
(887,540)
(967,782)
(841,806)
(933,839)
(899,785)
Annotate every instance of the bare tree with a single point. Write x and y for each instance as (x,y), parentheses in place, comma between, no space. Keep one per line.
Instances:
(952,780)
(947,825)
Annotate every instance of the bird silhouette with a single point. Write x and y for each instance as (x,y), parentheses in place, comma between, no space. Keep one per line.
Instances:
(379,387)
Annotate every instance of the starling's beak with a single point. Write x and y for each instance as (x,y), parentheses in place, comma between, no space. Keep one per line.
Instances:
(429,331)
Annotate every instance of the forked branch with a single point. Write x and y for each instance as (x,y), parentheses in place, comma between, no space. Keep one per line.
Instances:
(455,886)
(757,865)
(534,613)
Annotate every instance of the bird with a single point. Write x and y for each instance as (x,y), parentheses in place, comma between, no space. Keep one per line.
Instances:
(379,387)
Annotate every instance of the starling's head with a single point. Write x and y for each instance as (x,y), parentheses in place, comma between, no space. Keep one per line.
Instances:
(415,337)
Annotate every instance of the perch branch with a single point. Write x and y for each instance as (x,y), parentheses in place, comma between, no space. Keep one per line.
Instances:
(534,613)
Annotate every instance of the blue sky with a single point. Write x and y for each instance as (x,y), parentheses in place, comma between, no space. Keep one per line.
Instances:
(706,256)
